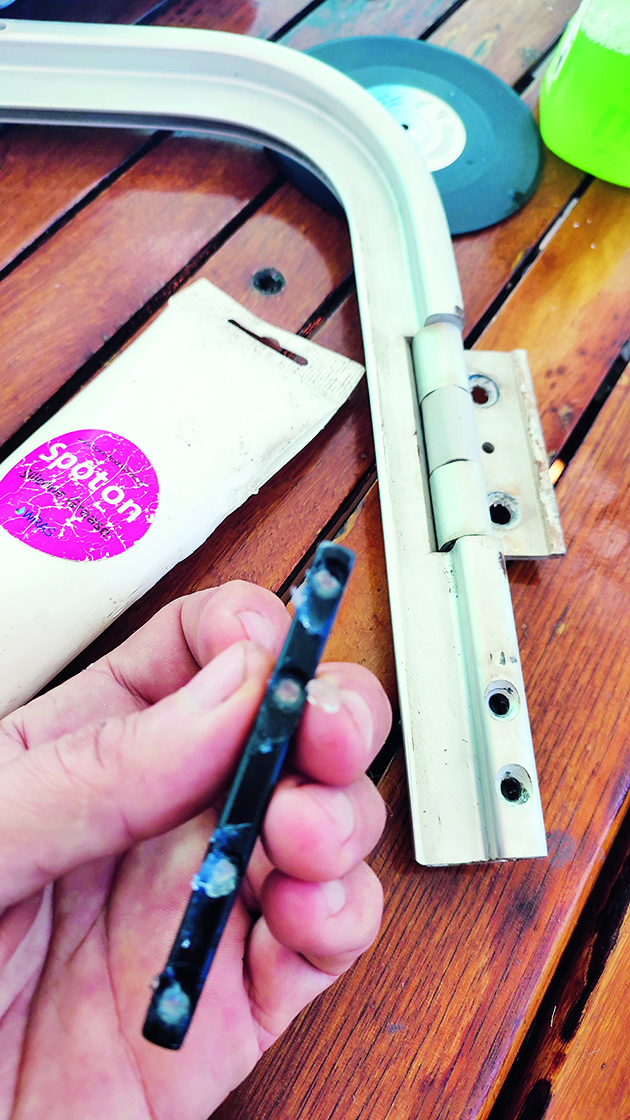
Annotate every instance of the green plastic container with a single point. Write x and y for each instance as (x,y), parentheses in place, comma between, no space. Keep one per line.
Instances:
(585,96)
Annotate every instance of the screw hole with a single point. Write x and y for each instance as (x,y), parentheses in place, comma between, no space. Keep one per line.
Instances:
(504,509)
(500,515)
(511,788)
(268,281)
(406,126)
(480,395)
(514,784)
(502,700)
(499,703)
(488,448)
(483,390)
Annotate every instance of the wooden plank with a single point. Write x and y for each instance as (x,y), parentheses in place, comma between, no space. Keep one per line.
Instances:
(112,258)
(593,1081)
(342,331)
(573,1061)
(335,19)
(506,36)
(571,312)
(45,171)
(363,630)
(256,17)
(290,235)
(428,1022)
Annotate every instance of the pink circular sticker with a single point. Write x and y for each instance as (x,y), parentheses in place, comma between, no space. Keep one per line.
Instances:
(83,496)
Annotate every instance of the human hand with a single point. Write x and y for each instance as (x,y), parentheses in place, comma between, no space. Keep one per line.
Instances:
(109,792)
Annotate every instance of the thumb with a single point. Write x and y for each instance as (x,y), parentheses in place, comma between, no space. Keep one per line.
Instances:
(98,791)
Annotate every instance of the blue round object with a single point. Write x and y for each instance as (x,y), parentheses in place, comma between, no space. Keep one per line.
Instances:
(476,136)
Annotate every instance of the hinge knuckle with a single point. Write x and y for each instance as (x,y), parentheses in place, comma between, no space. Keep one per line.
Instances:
(458,491)
(458,496)
(449,427)
(438,358)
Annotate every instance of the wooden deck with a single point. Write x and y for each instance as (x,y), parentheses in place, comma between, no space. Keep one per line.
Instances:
(496,991)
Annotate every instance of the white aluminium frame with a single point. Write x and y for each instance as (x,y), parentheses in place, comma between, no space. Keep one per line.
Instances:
(472,778)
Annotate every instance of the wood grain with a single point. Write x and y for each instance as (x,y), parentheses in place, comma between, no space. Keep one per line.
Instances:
(571,312)
(429,1021)
(342,331)
(335,19)
(505,36)
(573,1061)
(363,629)
(308,247)
(254,17)
(44,172)
(593,1081)
(113,257)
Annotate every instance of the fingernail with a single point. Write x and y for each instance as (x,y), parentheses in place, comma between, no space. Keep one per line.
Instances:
(218,680)
(258,628)
(322,692)
(339,808)
(334,892)
(361,715)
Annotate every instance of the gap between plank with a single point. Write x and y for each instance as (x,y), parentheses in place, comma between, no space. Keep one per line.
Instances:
(331,529)
(155,11)
(592,410)
(293,22)
(528,1086)
(328,306)
(526,263)
(428,31)
(154,140)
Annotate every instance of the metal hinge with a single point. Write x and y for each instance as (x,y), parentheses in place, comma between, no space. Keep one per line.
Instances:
(514,460)
(485,451)
(491,497)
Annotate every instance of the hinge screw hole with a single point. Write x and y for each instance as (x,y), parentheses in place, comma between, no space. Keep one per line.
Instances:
(502,700)
(514,784)
(483,390)
(511,788)
(500,514)
(499,703)
(504,510)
